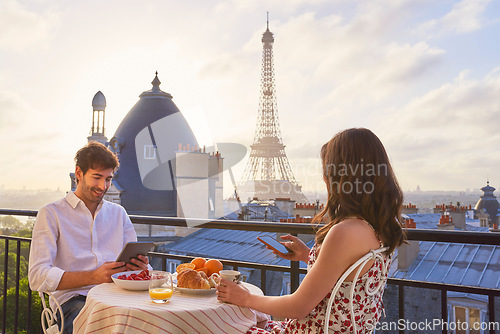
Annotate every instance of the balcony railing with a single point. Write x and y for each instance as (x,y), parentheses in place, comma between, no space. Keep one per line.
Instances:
(479,238)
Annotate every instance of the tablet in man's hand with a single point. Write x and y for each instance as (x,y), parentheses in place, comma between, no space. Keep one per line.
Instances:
(133,249)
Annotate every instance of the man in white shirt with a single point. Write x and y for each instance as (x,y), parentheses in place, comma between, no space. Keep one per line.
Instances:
(77,239)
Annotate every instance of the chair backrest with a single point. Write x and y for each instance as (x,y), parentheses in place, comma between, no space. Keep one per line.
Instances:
(360,264)
(49,316)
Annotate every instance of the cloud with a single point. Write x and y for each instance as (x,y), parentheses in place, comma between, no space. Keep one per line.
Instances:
(277,6)
(340,52)
(17,120)
(449,135)
(381,17)
(29,143)
(11,107)
(465,103)
(465,17)
(18,117)
(391,68)
(21,28)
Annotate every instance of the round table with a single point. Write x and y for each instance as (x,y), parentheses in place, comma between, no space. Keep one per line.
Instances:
(111,309)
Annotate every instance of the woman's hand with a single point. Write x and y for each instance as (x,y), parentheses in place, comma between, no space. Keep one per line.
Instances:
(298,249)
(230,292)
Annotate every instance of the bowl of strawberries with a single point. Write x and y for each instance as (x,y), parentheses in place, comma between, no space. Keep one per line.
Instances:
(132,280)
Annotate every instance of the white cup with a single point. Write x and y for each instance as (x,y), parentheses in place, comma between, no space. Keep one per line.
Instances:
(231,275)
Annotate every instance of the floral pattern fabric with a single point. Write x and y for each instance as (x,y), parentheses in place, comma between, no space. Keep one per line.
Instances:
(367,309)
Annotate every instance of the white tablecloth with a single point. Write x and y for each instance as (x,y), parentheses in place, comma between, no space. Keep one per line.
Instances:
(111,309)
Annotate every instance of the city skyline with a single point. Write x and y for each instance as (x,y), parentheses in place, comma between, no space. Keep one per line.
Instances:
(423,76)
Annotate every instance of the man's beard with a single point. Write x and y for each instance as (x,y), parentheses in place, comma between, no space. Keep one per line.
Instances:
(96,193)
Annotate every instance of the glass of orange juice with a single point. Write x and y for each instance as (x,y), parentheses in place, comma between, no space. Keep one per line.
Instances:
(160,287)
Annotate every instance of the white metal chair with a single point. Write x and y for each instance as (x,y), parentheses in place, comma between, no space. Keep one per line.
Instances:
(372,255)
(49,316)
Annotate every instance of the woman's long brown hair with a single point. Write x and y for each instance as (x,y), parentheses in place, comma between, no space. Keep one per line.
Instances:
(361,183)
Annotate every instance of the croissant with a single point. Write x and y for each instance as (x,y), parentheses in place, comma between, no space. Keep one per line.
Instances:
(192,279)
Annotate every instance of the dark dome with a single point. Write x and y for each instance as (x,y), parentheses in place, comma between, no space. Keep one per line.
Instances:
(146,142)
(488,202)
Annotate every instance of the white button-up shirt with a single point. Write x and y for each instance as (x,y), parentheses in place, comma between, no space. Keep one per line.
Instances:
(67,238)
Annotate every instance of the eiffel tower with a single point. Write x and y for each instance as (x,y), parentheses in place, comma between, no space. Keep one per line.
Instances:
(268,174)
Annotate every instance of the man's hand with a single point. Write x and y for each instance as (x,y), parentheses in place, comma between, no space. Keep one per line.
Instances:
(78,279)
(104,272)
(138,264)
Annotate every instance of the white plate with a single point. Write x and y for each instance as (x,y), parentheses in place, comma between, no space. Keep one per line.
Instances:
(130,285)
(195,291)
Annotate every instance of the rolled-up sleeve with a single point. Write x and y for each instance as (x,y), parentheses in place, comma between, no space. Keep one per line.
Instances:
(42,274)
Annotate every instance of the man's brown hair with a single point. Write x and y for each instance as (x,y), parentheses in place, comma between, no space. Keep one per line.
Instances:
(96,156)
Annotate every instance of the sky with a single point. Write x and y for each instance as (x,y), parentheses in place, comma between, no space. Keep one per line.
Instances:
(423,75)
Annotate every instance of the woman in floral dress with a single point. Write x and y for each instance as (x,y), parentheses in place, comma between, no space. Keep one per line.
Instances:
(364,211)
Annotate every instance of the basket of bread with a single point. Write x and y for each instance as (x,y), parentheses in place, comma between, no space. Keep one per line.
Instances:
(199,276)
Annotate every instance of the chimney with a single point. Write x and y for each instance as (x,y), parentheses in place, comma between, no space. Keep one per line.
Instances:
(458,219)
(446,222)
(407,253)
